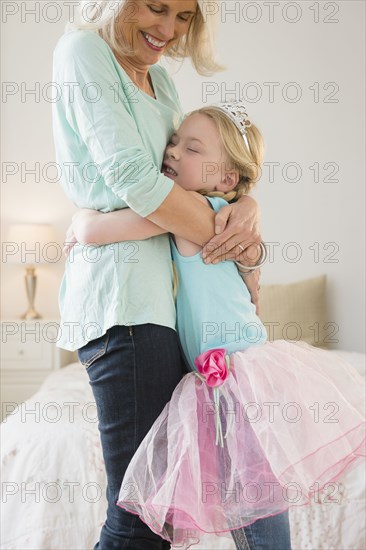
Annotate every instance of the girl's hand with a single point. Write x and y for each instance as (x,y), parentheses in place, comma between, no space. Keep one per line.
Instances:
(84,225)
(78,229)
(235,224)
(70,241)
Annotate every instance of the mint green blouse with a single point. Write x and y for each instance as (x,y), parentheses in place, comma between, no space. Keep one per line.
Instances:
(109,139)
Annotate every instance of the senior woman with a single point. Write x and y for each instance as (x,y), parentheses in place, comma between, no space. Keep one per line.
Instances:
(117,111)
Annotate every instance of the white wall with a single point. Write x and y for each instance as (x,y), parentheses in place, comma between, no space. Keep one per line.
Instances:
(262,51)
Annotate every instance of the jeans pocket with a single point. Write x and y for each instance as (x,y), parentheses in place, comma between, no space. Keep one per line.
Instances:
(93,350)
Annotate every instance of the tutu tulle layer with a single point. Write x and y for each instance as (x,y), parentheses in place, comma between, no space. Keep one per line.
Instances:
(293,420)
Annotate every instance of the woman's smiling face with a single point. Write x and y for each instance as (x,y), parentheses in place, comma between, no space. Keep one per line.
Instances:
(194,157)
(151,27)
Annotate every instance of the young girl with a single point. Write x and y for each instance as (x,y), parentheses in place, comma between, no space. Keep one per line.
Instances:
(242,437)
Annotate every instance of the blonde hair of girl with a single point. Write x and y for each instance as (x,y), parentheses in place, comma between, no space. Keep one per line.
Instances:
(246,161)
(104,16)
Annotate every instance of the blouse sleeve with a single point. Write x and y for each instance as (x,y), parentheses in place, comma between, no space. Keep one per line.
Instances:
(96,108)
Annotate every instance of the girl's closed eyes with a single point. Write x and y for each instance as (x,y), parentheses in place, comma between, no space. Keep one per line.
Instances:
(197,159)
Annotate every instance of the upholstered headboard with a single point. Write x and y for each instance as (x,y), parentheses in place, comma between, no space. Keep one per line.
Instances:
(297,311)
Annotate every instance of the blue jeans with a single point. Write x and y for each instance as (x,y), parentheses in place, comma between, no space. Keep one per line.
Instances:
(133,372)
(271,533)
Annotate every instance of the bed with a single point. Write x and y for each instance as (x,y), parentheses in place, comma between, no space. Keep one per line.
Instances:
(53,481)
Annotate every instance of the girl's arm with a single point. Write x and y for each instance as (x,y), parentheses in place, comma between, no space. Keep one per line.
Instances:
(92,226)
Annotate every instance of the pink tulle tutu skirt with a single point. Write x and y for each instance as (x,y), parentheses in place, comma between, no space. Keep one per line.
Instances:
(292,419)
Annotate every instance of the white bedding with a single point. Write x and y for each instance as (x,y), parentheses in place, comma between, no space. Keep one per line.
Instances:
(53,480)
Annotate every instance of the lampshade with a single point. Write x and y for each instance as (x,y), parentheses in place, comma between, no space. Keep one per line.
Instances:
(30,244)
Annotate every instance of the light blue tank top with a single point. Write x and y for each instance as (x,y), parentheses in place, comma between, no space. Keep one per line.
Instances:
(214,308)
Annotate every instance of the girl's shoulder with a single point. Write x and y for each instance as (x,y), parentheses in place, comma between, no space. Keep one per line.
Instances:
(217,202)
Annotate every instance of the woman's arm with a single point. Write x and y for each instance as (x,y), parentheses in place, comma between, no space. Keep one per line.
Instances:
(182,214)
(219,235)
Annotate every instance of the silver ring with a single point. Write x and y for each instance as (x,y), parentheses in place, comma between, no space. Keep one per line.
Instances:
(241,248)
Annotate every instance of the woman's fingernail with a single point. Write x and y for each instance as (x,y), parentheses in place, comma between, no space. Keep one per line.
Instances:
(207,260)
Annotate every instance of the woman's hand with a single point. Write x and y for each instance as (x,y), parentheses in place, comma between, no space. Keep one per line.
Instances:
(235,224)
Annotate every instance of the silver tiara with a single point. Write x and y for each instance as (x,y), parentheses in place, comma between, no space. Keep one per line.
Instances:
(238,115)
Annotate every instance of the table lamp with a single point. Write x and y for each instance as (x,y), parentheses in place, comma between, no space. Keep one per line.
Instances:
(27,244)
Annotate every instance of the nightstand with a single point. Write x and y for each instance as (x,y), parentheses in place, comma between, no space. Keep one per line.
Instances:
(28,355)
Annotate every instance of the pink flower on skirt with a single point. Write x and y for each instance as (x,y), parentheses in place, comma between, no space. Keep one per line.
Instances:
(212,365)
